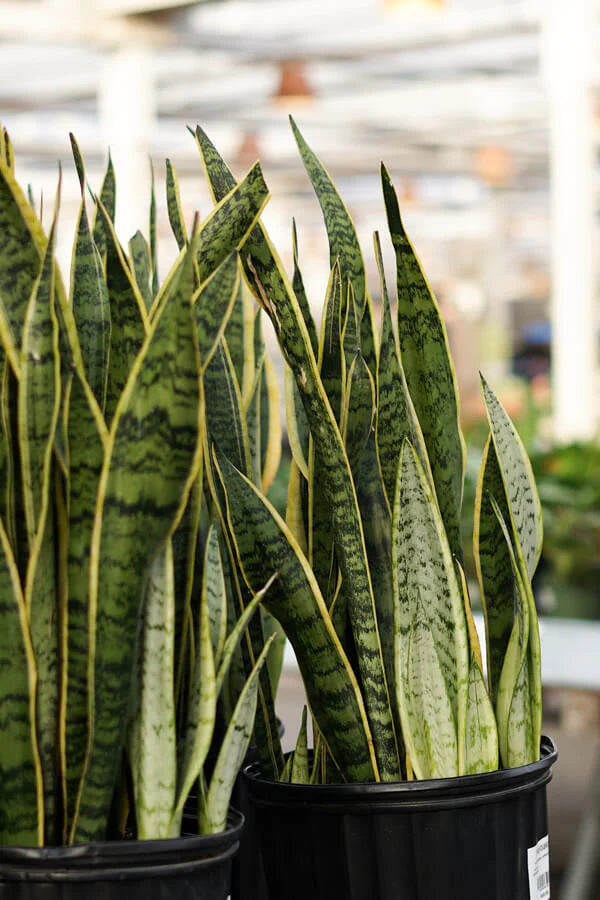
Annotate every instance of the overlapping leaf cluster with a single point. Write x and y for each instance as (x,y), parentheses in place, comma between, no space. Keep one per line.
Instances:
(120,625)
(370,589)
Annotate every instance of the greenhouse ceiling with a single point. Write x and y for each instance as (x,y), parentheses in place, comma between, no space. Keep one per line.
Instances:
(429,86)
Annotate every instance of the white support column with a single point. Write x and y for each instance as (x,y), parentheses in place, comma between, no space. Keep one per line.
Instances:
(127,109)
(567,58)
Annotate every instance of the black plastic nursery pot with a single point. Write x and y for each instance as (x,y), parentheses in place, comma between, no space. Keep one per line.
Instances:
(467,838)
(192,867)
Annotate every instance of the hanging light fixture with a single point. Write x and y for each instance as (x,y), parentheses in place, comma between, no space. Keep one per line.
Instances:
(494,164)
(294,87)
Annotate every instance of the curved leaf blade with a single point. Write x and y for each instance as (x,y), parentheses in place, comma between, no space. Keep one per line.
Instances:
(425,356)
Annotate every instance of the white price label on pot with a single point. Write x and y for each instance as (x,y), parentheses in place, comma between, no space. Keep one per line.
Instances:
(538,863)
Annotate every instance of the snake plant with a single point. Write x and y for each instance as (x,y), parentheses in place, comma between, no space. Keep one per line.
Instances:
(370,587)
(118,628)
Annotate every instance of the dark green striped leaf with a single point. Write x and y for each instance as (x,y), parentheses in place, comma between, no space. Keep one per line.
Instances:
(481,732)
(300,292)
(295,600)
(22,244)
(275,294)
(358,415)
(90,304)
(153,238)
(108,199)
(39,392)
(22,797)
(225,421)
(517,476)
(86,453)
(140,264)
(230,221)
(492,560)
(343,242)
(430,376)
(129,320)
(213,305)
(396,417)
(513,705)
(174,207)
(149,466)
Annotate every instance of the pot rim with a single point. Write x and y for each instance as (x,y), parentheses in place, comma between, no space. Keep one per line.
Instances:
(433,793)
(102,858)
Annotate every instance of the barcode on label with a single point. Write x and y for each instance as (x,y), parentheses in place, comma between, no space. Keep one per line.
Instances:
(538,864)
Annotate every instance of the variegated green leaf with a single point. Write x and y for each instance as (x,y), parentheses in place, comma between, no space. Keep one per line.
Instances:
(230,221)
(427,712)
(368,337)
(213,305)
(39,392)
(150,464)
(214,593)
(299,772)
(423,566)
(225,422)
(235,335)
(174,209)
(481,733)
(343,242)
(108,199)
(232,753)
(253,422)
(429,371)
(517,476)
(86,453)
(152,749)
(129,320)
(21,818)
(22,245)
(237,631)
(515,725)
(140,264)
(396,417)
(298,431)
(275,294)
(295,600)
(152,232)
(300,292)
(332,360)
(38,410)
(492,559)
(294,510)
(90,304)
(201,713)
(358,414)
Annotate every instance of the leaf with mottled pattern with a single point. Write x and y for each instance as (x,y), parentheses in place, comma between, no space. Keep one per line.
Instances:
(21,814)
(493,565)
(140,498)
(231,755)
(423,566)
(140,266)
(295,600)
(425,357)
(152,748)
(517,476)
(108,199)
(343,242)
(174,209)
